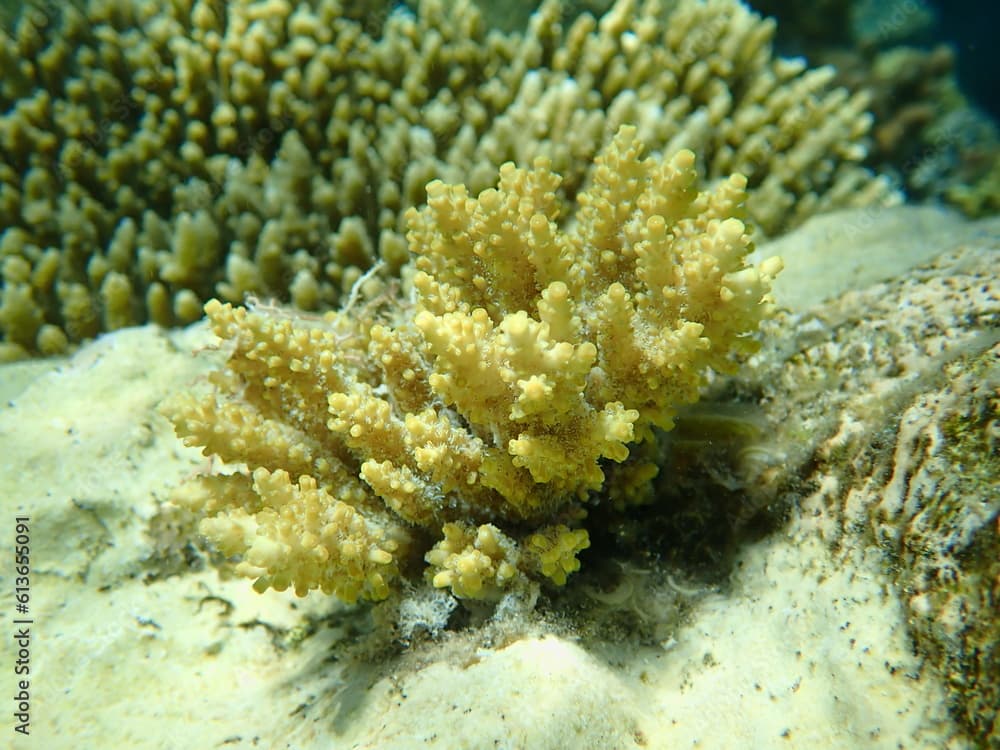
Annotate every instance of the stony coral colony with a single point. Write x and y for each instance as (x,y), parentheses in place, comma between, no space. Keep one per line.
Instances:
(471,420)
(549,292)
(156,155)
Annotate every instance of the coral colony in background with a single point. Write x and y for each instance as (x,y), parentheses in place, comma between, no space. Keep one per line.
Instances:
(155,156)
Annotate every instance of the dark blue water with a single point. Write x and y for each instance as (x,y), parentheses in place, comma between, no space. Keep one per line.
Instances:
(973,27)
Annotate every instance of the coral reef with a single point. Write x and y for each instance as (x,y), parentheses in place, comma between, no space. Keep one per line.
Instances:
(152,157)
(483,407)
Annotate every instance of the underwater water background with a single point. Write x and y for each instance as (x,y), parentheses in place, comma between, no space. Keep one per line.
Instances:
(972,27)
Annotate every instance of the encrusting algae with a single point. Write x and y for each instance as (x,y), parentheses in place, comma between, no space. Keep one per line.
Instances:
(469,419)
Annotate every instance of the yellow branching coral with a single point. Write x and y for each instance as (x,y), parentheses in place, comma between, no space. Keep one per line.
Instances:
(475,563)
(535,348)
(554,550)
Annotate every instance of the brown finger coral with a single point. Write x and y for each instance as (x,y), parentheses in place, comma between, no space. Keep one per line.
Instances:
(469,422)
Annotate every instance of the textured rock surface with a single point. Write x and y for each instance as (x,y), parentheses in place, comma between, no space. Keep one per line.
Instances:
(881,417)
